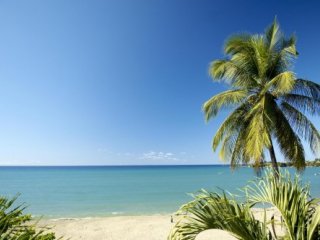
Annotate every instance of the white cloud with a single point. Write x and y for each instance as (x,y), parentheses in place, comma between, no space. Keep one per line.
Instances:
(152,157)
(162,156)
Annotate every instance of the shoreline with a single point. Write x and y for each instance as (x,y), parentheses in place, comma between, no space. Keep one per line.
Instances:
(143,227)
(120,214)
(54,218)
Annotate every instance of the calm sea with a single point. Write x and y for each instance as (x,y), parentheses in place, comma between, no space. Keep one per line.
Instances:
(55,192)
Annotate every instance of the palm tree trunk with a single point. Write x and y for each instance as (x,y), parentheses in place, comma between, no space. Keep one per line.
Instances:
(274,161)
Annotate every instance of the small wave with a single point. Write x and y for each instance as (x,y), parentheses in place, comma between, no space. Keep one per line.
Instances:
(117,213)
(64,218)
(71,218)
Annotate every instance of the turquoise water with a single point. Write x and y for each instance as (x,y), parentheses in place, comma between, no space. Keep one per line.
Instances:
(55,192)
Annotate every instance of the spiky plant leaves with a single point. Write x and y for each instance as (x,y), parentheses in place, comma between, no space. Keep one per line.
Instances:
(313,228)
(281,84)
(224,99)
(304,127)
(215,211)
(307,88)
(301,215)
(229,126)
(292,200)
(14,225)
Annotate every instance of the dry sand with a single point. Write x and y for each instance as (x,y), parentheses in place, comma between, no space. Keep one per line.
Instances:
(155,227)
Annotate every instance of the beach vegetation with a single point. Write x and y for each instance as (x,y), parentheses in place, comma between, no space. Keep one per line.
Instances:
(15,225)
(299,214)
(270,105)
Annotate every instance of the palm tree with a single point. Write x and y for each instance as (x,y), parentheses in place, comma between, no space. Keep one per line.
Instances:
(300,214)
(270,103)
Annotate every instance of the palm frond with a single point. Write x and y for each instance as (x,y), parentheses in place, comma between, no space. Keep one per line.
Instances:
(305,104)
(307,88)
(261,55)
(303,126)
(258,137)
(238,154)
(313,227)
(301,215)
(228,145)
(273,35)
(232,122)
(283,83)
(238,43)
(224,99)
(231,72)
(291,198)
(289,142)
(214,211)
(288,48)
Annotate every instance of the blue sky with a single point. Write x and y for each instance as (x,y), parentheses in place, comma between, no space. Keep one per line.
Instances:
(122,82)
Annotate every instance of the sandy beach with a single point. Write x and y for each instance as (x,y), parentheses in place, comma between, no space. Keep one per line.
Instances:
(156,227)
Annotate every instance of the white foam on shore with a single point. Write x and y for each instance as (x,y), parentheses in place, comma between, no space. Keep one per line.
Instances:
(117,213)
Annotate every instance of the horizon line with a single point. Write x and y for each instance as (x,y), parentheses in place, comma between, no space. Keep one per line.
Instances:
(129,165)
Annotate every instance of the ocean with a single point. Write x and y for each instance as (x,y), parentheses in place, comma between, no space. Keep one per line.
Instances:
(97,191)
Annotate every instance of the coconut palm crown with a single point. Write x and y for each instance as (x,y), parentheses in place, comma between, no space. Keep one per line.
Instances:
(270,105)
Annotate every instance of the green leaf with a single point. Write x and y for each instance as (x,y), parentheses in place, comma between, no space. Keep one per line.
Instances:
(224,99)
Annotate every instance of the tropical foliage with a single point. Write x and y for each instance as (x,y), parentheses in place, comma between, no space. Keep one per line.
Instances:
(270,104)
(14,225)
(300,214)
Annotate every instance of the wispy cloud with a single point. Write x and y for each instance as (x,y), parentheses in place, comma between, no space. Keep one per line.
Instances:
(144,157)
(159,156)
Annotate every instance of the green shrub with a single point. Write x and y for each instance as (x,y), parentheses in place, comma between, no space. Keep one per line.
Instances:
(14,225)
(300,213)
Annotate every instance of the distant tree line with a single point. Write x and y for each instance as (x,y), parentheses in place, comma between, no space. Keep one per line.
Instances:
(314,163)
